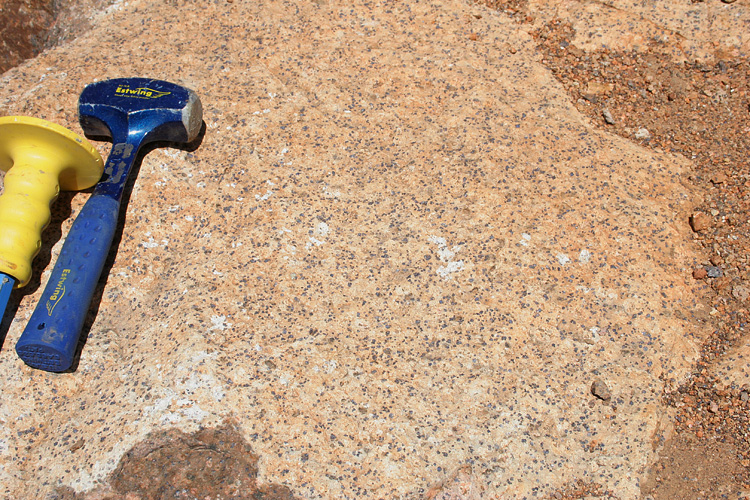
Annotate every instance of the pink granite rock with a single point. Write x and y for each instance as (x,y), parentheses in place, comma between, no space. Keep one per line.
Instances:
(683,31)
(734,368)
(398,251)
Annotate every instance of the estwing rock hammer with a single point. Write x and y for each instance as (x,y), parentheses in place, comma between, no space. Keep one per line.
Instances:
(132,112)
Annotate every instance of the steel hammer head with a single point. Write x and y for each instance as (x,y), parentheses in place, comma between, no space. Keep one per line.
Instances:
(140,108)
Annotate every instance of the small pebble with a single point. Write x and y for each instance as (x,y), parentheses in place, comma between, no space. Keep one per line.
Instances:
(740,292)
(592,98)
(608,117)
(719,178)
(714,272)
(77,445)
(642,134)
(600,390)
(700,273)
(700,221)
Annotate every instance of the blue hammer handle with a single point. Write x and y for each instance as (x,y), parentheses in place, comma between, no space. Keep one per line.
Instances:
(50,339)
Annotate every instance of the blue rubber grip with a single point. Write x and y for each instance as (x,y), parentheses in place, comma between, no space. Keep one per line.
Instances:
(50,339)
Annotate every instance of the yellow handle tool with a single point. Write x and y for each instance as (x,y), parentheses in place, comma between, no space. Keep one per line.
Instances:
(40,159)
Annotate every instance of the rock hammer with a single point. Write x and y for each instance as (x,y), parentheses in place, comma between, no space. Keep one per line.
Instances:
(131,112)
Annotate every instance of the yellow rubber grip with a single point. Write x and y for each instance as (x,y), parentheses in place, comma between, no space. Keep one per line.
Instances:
(24,213)
(40,158)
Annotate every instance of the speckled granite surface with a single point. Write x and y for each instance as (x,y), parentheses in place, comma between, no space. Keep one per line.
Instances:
(682,31)
(734,370)
(398,252)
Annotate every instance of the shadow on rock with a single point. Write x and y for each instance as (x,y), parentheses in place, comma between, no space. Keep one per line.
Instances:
(209,464)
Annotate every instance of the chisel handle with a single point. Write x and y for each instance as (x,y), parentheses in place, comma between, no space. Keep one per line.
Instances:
(30,189)
(50,339)
(41,158)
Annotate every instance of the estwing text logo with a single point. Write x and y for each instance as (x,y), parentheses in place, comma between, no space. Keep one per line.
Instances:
(140,92)
(59,292)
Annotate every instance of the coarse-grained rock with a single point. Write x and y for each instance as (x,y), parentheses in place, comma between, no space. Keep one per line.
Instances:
(22,29)
(398,251)
(734,368)
(682,31)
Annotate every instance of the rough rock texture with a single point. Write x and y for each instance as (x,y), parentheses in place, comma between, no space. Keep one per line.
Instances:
(734,370)
(210,463)
(398,253)
(73,18)
(685,30)
(23,27)
(29,26)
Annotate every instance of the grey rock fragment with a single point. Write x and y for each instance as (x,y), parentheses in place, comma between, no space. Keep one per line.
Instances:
(608,116)
(714,272)
(600,390)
